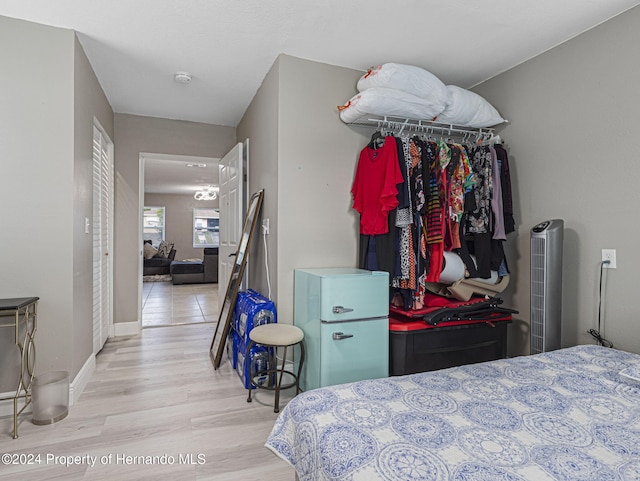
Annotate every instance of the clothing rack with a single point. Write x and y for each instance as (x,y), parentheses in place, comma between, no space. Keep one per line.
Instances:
(399,125)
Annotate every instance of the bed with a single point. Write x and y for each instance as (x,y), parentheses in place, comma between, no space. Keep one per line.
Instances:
(571,415)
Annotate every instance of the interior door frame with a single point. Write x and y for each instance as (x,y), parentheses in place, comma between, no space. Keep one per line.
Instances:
(246,198)
(231,174)
(141,161)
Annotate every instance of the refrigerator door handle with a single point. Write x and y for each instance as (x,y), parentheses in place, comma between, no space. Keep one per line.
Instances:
(341,310)
(338,336)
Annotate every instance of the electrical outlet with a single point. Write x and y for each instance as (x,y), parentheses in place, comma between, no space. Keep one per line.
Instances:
(265,226)
(609,255)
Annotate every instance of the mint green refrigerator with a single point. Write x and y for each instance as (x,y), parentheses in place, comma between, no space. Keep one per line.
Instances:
(344,313)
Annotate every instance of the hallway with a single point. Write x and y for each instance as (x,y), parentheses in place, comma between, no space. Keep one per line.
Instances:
(164,304)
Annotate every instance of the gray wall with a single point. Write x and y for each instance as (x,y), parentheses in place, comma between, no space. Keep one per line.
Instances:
(259,124)
(307,176)
(90,101)
(179,221)
(134,135)
(46,116)
(573,115)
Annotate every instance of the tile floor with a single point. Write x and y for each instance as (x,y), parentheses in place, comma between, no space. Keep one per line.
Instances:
(164,304)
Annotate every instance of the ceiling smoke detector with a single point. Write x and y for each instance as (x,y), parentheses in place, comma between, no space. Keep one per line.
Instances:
(182,77)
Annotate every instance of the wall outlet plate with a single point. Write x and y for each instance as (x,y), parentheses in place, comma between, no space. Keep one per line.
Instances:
(609,255)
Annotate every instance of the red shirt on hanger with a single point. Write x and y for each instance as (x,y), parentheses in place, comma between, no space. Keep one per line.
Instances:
(374,186)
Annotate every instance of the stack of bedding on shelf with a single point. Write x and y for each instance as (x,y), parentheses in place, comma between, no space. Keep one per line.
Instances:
(408,91)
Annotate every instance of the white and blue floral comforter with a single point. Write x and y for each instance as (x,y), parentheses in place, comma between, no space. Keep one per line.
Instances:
(564,415)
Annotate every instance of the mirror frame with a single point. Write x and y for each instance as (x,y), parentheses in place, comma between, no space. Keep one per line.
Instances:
(229,301)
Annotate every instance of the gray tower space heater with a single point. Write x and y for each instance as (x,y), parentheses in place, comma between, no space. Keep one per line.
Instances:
(546,285)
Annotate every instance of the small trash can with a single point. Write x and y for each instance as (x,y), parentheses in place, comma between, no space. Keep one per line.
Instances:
(50,397)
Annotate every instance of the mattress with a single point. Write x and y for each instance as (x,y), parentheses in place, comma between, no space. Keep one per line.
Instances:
(563,415)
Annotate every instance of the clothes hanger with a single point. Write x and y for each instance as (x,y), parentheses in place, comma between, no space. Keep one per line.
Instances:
(377,139)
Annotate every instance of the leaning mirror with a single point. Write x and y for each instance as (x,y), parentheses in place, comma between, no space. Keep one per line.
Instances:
(229,301)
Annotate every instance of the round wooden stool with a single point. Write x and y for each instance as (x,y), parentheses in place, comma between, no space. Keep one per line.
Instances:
(275,336)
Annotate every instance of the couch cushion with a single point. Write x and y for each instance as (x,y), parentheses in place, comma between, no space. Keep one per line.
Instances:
(164,249)
(181,267)
(149,251)
(157,262)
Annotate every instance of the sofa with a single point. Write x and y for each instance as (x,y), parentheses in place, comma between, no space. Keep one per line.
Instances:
(158,264)
(196,272)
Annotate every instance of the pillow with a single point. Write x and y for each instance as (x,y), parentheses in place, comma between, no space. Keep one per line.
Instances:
(408,78)
(392,102)
(149,251)
(164,249)
(468,109)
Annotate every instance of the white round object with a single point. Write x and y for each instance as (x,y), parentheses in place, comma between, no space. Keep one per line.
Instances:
(182,77)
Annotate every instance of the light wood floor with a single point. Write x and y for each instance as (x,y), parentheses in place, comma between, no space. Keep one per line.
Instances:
(152,395)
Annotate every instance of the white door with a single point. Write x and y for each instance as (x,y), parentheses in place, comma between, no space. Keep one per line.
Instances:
(102,236)
(231,201)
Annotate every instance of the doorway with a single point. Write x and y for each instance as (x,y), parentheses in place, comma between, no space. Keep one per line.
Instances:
(168,184)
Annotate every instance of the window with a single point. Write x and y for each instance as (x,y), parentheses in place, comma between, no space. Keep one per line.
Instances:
(206,227)
(153,224)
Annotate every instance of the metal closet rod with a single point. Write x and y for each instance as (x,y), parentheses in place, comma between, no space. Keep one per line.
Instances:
(426,126)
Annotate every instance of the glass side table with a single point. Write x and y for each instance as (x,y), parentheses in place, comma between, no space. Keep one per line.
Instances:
(21,314)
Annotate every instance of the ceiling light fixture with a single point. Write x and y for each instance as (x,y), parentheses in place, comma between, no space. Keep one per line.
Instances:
(208,193)
(182,77)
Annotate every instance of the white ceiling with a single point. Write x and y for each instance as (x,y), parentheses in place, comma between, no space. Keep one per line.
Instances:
(136,46)
(228,46)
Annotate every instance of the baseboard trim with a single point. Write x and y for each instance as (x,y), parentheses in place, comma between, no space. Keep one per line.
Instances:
(126,329)
(82,379)
(76,387)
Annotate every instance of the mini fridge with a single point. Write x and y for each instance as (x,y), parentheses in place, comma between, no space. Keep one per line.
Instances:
(344,313)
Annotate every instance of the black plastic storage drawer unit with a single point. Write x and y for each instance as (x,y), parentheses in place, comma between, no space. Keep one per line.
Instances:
(415,346)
